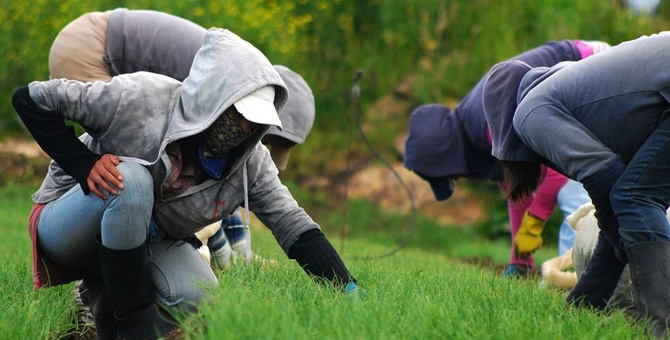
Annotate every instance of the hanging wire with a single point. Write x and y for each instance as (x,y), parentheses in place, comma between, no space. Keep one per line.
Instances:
(345,227)
(355,104)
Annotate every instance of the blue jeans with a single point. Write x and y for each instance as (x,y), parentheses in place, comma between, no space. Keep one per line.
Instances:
(68,226)
(234,227)
(571,196)
(640,197)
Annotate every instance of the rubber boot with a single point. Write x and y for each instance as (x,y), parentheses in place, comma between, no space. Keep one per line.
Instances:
(126,277)
(599,279)
(93,295)
(649,264)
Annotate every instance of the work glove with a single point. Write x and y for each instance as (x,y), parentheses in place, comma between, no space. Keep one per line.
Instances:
(529,237)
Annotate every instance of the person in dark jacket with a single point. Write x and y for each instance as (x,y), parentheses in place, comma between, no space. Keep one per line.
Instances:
(603,122)
(444,145)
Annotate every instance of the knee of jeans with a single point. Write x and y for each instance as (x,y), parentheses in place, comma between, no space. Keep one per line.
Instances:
(620,197)
(187,296)
(137,179)
(628,198)
(186,289)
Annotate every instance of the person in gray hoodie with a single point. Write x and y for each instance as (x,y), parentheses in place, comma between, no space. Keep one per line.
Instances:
(160,160)
(608,129)
(100,45)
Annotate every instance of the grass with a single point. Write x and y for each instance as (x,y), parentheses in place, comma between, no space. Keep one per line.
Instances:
(418,293)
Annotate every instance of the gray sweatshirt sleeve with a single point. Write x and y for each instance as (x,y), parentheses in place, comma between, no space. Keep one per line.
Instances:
(272,202)
(92,105)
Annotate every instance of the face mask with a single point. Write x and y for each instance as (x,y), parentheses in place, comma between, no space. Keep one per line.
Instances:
(222,136)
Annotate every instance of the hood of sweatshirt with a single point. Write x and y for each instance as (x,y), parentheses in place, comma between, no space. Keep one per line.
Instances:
(225,70)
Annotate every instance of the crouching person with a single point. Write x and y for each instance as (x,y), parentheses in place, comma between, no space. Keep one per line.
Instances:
(160,160)
(624,173)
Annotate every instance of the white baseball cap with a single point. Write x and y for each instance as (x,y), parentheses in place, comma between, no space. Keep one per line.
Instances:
(258,107)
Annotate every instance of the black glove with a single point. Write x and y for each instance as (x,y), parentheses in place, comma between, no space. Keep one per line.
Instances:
(318,258)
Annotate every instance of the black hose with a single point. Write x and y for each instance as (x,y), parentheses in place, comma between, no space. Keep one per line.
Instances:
(355,103)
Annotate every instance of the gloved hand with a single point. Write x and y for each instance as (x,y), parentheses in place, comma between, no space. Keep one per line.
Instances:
(529,237)
(352,288)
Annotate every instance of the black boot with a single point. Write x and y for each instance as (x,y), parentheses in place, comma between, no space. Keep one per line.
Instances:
(599,279)
(649,264)
(126,278)
(94,296)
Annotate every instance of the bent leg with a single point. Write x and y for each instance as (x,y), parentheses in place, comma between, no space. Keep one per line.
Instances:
(68,226)
(180,275)
(640,199)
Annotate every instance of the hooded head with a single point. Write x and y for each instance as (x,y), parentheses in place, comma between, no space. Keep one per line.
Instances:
(435,148)
(239,122)
(297,117)
(229,71)
(500,97)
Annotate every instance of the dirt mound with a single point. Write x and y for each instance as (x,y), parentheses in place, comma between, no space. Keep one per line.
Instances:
(379,185)
(22,161)
(27,148)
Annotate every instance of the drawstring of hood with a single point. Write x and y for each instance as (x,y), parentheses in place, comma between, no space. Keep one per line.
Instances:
(247,235)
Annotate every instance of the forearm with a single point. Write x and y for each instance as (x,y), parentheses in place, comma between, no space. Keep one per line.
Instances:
(57,139)
(546,196)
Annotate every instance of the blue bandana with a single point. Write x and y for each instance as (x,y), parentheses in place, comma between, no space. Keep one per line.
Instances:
(214,166)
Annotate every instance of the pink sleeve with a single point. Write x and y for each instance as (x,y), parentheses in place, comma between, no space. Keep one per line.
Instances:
(583,48)
(546,195)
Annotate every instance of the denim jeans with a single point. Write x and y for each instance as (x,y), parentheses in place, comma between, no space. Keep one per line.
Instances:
(641,196)
(234,227)
(571,196)
(68,227)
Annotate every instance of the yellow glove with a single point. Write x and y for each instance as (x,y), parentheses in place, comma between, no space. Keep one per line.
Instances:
(529,237)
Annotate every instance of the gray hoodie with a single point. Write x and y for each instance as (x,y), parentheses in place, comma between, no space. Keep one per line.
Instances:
(136,115)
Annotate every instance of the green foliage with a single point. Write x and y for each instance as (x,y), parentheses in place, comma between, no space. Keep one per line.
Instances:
(448,45)
(25,313)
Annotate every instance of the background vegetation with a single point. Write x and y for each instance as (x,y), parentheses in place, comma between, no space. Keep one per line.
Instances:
(417,51)
(444,45)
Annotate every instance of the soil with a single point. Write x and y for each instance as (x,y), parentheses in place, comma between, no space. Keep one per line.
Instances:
(21,161)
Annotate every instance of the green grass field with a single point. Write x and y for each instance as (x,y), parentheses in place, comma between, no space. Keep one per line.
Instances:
(418,293)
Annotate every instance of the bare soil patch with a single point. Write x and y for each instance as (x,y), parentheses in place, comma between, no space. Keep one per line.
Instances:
(22,161)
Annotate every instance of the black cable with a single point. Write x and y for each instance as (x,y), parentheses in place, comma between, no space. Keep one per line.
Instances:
(355,96)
